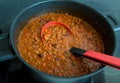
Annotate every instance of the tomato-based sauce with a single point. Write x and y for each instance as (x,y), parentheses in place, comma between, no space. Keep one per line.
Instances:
(52,55)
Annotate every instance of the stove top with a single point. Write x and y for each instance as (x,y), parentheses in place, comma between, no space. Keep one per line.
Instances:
(13,71)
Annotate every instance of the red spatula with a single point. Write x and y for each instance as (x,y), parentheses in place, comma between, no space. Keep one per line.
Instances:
(103,58)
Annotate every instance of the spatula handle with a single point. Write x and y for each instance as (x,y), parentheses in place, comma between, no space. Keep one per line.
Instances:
(104,58)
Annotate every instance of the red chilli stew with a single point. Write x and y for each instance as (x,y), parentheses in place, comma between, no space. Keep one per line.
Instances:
(52,55)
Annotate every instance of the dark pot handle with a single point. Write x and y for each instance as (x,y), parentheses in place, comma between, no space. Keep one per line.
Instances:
(113,20)
(5,51)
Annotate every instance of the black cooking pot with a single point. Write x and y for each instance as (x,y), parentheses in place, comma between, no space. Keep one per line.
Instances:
(73,8)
